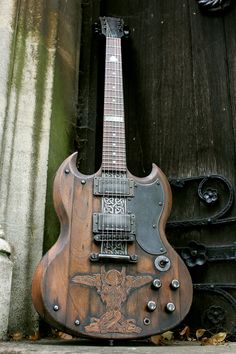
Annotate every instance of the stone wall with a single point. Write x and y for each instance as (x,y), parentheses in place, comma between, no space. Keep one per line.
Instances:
(38,92)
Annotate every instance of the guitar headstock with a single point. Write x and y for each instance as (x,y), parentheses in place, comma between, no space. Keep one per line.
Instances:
(111,27)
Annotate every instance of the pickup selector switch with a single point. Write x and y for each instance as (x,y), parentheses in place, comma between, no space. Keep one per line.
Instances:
(175,284)
(170,307)
(162,263)
(156,283)
(151,305)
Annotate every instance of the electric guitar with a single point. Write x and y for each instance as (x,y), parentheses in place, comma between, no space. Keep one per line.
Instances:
(112,273)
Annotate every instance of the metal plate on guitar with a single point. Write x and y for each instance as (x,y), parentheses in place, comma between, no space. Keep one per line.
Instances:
(113,186)
(113,223)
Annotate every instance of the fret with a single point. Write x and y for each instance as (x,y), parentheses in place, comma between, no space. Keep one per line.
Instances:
(114,152)
(116,108)
(110,140)
(113,77)
(113,80)
(117,167)
(108,118)
(114,90)
(111,130)
(115,133)
(110,100)
(113,112)
(113,97)
(119,136)
(109,166)
(107,157)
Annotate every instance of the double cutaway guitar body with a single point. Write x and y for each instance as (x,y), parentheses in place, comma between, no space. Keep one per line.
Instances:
(112,273)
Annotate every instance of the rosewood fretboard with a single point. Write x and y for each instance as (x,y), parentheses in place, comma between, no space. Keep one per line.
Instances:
(114,152)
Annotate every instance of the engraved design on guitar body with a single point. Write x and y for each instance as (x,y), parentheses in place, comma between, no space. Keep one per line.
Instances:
(113,205)
(113,287)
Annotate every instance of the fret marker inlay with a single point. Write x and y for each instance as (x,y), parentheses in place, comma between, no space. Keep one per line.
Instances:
(113,59)
(113,119)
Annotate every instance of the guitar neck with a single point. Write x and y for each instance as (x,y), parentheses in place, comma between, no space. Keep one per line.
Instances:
(114,149)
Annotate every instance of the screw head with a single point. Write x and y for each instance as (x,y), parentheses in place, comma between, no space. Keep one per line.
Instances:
(170,307)
(93,256)
(175,284)
(55,307)
(151,305)
(67,171)
(77,322)
(83,181)
(134,257)
(157,283)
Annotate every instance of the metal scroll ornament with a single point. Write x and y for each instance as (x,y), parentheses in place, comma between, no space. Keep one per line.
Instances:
(215,195)
(209,192)
(217,316)
(214,6)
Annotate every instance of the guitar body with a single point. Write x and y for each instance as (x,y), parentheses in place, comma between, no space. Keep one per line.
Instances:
(112,273)
(111,288)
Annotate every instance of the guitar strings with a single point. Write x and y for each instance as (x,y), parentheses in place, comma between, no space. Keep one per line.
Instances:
(114,148)
(110,129)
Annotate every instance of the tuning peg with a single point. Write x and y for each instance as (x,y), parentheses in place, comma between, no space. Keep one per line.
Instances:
(97,28)
(126,31)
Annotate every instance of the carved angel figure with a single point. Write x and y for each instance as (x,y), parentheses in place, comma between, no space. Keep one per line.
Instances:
(113,287)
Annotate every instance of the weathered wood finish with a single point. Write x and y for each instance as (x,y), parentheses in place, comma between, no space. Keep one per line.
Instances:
(180,105)
(60,278)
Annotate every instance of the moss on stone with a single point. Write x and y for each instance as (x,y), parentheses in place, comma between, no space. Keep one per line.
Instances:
(60,147)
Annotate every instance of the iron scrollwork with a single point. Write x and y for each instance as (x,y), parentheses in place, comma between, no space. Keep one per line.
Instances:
(194,255)
(216,197)
(209,196)
(214,6)
(215,316)
(197,254)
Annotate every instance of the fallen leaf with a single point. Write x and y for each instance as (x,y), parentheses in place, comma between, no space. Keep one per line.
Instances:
(205,341)
(219,337)
(200,332)
(17,336)
(215,339)
(185,332)
(157,340)
(64,335)
(34,336)
(169,335)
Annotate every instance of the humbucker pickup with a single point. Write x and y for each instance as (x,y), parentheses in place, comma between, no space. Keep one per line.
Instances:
(113,186)
(113,223)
